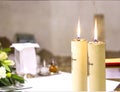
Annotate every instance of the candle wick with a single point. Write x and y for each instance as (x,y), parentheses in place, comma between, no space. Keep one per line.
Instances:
(78,38)
(95,40)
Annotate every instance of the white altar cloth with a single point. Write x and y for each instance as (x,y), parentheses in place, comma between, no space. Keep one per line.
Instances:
(58,82)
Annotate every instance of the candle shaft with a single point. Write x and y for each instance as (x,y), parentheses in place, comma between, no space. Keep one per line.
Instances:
(96,54)
(79,65)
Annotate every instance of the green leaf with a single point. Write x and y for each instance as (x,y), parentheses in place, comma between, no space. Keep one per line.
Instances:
(5,81)
(12,81)
(6,67)
(6,50)
(18,78)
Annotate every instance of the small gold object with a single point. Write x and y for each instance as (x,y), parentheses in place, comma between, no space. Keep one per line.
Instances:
(53,68)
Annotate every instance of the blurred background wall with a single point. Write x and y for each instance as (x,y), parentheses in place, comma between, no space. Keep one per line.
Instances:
(54,23)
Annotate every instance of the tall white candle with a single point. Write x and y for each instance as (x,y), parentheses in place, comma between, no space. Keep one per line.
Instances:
(79,63)
(96,54)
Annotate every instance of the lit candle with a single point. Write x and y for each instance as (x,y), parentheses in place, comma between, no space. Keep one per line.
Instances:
(96,54)
(79,62)
(95,31)
(78,30)
(44,63)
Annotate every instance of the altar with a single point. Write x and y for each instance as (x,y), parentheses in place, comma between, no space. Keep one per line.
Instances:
(53,83)
(57,82)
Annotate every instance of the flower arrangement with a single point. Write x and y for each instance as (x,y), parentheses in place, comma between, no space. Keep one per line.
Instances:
(7,77)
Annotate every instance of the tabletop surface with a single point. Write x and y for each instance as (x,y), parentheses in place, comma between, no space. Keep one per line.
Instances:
(58,82)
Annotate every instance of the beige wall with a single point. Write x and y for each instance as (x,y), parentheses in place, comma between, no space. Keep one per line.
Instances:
(53,23)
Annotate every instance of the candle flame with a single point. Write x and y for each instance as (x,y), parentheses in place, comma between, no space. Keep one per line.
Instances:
(78,29)
(44,63)
(95,31)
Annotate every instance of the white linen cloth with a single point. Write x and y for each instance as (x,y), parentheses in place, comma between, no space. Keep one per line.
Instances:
(25,58)
(59,82)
